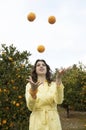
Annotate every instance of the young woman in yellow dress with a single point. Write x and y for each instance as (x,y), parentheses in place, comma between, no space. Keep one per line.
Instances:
(42,97)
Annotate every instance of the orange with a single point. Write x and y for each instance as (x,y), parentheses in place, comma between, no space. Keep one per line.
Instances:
(52,19)
(31,16)
(40,48)
(4,121)
(20,96)
(17,104)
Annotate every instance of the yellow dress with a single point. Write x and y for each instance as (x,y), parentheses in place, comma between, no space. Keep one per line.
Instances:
(44,114)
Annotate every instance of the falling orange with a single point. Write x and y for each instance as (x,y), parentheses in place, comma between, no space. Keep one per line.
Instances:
(52,19)
(40,48)
(31,16)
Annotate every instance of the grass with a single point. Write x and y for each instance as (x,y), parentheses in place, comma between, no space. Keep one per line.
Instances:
(76,121)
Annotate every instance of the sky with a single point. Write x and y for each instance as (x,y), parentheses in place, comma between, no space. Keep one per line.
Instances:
(64,41)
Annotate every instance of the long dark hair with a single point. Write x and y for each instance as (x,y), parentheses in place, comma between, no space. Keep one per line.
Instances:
(48,74)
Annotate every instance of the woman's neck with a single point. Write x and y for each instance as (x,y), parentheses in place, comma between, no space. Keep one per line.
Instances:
(41,79)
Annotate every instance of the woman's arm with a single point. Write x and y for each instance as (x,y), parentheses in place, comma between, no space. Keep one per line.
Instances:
(30,101)
(59,94)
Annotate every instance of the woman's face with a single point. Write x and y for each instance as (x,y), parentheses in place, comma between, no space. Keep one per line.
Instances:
(41,68)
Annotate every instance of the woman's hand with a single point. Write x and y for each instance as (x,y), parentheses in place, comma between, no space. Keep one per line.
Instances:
(59,75)
(34,85)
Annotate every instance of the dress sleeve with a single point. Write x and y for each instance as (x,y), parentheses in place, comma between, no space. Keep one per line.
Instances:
(30,102)
(59,94)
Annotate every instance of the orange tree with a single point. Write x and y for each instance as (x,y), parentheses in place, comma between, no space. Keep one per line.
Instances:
(74,81)
(14,69)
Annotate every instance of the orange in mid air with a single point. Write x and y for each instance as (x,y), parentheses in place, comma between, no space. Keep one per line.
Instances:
(31,16)
(40,48)
(52,19)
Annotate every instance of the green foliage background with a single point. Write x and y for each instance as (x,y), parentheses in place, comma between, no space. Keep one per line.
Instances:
(14,70)
(74,81)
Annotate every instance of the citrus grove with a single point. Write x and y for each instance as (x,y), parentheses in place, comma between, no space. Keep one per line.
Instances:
(15,68)
(74,80)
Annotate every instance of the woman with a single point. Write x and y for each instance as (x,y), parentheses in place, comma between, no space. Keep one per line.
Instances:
(42,96)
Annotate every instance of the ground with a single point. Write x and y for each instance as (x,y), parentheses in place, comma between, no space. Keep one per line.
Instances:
(76,121)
